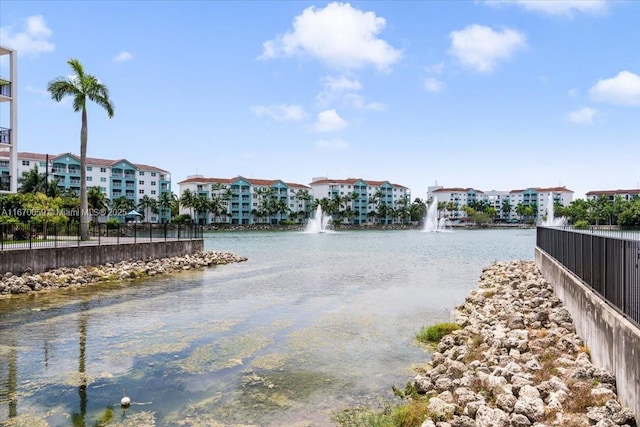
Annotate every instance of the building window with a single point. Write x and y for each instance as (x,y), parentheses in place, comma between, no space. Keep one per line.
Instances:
(141,173)
(89,168)
(153,183)
(41,164)
(25,163)
(140,182)
(153,174)
(103,169)
(89,178)
(153,192)
(140,191)
(103,179)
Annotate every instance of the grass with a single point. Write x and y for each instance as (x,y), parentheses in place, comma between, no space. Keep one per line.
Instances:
(435,332)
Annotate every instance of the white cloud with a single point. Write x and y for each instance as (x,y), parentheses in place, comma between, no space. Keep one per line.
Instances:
(353,100)
(436,68)
(583,116)
(480,47)
(37,91)
(336,144)
(339,35)
(342,90)
(329,121)
(433,85)
(32,40)
(334,89)
(281,112)
(557,7)
(623,89)
(123,56)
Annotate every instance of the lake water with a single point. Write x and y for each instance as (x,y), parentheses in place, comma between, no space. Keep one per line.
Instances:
(309,324)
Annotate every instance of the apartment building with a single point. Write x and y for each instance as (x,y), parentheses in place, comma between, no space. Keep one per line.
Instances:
(9,123)
(246,201)
(116,178)
(505,203)
(612,194)
(363,198)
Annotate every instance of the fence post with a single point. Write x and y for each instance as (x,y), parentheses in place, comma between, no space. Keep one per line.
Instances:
(165,231)
(150,233)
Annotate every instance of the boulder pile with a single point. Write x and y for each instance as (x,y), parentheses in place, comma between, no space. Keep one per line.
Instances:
(516,361)
(124,270)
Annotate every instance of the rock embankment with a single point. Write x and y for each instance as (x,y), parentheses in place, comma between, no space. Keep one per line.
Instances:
(124,270)
(517,361)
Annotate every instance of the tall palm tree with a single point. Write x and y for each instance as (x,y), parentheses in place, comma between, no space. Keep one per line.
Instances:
(187,199)
(146,204)
(121,206)
(166,202)
(97,202)
(32,181)
(82,86)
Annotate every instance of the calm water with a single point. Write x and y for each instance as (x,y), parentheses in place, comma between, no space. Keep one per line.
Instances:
(311,323)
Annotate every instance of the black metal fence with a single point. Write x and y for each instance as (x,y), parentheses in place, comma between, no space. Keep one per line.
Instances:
(27,236)
(607,263)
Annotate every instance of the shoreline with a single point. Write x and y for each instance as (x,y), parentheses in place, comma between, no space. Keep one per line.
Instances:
(517,361)
(68,277)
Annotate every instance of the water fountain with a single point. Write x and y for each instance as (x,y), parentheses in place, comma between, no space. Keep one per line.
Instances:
(551,220)
(431,222)
(320,223)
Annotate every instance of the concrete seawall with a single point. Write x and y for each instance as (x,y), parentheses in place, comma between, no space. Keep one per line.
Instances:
(614,341)
(39,260)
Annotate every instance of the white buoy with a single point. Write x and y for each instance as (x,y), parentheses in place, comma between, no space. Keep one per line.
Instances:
(125,401)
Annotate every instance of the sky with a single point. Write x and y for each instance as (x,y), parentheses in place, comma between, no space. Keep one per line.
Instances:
(494,95)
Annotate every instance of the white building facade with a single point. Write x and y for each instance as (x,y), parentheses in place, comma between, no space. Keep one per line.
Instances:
(363,201)
(115,178)
(245,201)
(530,203)
(9,123)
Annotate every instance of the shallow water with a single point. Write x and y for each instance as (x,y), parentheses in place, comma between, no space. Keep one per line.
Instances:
(309,324)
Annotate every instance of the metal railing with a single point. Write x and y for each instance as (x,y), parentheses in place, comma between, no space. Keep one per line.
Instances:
(604,260)
(30,236)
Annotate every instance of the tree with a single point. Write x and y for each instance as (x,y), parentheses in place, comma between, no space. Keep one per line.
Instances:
(121,206)
(506,208)
(146,205)
(32,181)
(82,87)
(187,199)
(97,202)
(202,204)
(166,202)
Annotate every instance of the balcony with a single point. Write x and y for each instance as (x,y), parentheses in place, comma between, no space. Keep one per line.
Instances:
(5,136)
(74,171)
(5,88)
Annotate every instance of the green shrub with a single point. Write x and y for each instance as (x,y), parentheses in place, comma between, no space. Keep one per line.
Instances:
(581,225)
(435,332)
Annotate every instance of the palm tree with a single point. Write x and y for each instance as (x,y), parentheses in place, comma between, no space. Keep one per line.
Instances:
(506,208)
(80,87)
(166,202)
(202,204)
(187,199)
(122,205)
(145,205)
(97,202)
(32,181)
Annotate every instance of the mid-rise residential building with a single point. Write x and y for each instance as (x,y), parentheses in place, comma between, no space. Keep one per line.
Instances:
(9,123)
(115,178)
(612,194)
(364,201)
(244,201)
(529,203)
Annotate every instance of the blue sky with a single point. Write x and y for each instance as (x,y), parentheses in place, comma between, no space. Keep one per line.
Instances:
(495,95)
